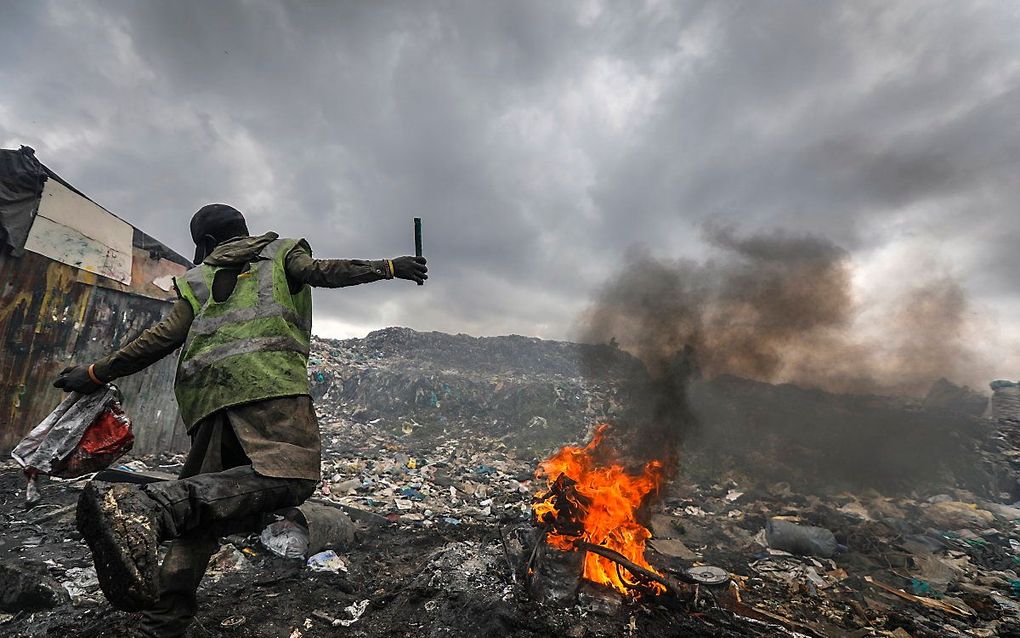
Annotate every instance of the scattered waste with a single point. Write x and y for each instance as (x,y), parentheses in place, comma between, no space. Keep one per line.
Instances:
(286,538)
(227,559)
(82,585)
(355,611)
(709,575)
(672,547)
(327,561)
(328,526)
(436,527)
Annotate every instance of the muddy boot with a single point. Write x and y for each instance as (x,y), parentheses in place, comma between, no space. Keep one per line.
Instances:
(123,527)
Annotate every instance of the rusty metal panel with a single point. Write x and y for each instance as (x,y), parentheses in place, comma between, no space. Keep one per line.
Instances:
(49,320)
(115,318)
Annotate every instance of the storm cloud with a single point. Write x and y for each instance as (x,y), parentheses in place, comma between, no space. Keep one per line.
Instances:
(543,143)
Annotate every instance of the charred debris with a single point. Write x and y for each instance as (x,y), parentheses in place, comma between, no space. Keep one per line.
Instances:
(486,499)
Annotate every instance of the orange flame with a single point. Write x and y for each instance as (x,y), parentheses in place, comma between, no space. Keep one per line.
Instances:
(606,501)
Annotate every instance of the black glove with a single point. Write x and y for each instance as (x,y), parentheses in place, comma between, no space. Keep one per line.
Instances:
(76,379)
(412,268)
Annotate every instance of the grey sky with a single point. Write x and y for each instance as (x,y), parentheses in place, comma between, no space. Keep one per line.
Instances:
(540,141)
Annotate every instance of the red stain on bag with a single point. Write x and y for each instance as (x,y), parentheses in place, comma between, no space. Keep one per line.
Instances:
(109,433)
(107,439)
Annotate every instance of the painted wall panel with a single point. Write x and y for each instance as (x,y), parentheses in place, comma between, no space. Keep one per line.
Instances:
(74,230)
(64,206)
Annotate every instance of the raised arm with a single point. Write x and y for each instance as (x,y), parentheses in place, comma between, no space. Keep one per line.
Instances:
(302,268)
(147,348)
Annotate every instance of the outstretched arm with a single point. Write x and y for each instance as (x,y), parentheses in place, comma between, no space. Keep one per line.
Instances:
(302,268)
(147,348)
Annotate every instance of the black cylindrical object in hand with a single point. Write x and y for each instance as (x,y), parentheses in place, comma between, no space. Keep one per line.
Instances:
(417,239)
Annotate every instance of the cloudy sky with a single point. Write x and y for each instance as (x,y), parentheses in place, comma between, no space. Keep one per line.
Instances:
(540,141)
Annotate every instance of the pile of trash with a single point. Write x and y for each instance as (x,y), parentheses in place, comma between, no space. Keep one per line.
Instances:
(532,391)
(452,479)
(536,395)
(836,564)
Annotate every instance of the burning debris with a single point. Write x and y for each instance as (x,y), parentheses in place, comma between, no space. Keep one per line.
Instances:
(593,502)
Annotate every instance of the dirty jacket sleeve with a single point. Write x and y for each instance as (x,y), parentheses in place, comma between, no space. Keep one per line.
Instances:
(150,346)
(302,268)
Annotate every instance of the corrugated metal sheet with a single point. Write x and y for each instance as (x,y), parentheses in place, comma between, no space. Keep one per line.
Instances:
(49,319)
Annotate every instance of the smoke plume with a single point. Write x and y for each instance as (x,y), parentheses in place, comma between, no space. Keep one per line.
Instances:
(781,308)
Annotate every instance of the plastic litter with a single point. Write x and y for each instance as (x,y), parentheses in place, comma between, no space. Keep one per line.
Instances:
(356,611)
(327,561)
(82,585)
(285,538)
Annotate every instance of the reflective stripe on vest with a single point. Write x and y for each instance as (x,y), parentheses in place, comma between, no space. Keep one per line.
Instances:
(234,348)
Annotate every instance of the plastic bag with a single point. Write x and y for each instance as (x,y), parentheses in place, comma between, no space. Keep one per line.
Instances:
(286,538)
(85,433)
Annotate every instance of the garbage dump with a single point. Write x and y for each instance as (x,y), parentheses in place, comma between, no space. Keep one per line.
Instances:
(436,478)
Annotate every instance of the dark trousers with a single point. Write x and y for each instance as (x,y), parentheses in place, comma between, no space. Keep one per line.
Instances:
(218,494)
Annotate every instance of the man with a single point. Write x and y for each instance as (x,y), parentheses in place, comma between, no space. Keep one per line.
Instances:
(244,321)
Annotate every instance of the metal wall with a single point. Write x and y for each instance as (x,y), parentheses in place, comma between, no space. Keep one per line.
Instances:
(49,320)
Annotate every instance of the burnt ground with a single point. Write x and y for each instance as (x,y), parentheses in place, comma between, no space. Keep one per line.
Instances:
(431,560)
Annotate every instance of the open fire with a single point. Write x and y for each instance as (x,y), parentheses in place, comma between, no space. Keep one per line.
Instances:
(592,499)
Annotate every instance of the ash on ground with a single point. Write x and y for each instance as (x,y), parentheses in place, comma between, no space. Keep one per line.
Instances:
(432,441)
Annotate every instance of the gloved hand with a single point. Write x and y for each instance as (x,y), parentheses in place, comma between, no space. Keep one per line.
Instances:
(76,379)
(412,268)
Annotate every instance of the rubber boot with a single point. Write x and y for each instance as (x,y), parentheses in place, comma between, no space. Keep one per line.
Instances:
(123,527)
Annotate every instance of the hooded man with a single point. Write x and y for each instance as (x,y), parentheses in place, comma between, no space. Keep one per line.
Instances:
(243,323)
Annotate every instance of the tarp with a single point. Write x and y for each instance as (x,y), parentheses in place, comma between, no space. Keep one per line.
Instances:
(22,178)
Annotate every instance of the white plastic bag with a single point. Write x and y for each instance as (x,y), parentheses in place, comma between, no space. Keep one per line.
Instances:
(286,538)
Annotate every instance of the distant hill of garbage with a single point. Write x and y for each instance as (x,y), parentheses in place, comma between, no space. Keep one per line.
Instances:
(536,395)
(532,390)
